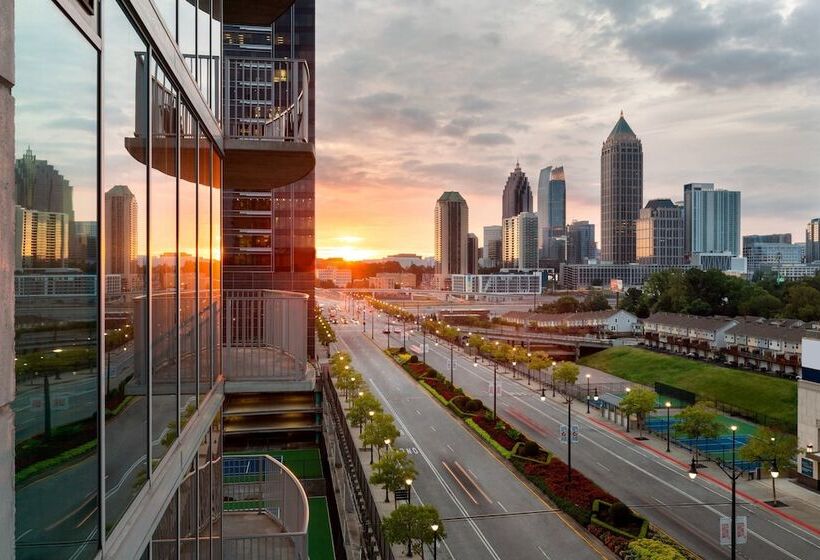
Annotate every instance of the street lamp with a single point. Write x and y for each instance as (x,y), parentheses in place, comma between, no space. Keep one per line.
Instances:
(588,395)
(529,376)
(388,330)
(514,368)
(628,390)
(409,483)
(552,378)
(434,527)
(734,475)
(668,408)
(495,391)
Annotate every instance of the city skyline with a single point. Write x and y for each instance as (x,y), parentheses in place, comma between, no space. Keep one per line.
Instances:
(700,101)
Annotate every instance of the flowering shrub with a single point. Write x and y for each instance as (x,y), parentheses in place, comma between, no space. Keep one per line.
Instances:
(498,430)
(443,388)
(617,544)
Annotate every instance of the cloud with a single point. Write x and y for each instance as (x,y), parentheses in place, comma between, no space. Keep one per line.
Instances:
(490,139)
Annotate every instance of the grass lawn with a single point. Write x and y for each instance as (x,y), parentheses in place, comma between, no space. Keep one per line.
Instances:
(320,539)
(771,396)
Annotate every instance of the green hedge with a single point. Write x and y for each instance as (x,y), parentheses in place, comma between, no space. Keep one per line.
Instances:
(50,464)
(596,506)
(489,439)
(435,393)
(648,549)
(580,515)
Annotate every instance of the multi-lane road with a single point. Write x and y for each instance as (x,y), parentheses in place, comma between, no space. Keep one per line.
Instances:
(653,484)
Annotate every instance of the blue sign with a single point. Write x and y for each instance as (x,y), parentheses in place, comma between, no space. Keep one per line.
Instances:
(807,467)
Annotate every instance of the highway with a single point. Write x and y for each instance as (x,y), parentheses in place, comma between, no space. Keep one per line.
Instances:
(488,512)
(654,485)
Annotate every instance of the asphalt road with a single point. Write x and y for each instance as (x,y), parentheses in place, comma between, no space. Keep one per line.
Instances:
(488,512)
(655,486)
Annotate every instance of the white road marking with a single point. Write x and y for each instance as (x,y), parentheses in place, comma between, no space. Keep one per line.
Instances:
(547,556)
(602,466)
(450,448)
(433,428)
(501,506)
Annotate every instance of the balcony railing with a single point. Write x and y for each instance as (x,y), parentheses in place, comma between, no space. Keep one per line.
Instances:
(267,99)
(265,510)
(265,335)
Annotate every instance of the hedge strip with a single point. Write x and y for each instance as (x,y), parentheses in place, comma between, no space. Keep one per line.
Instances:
(488,438)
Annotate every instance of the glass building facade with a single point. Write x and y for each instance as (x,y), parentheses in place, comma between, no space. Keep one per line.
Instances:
(118,176)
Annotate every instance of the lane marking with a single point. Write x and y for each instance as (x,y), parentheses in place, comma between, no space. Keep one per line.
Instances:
(450,448)
(602,466)
(501,506)
(547,556)
(433,428)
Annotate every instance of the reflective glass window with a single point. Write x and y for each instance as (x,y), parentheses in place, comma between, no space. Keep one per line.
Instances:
(168,11)
(188,514)
(216,262)
(216,56)
(203,42)
(164,545)
(204,504)
(216,484)
(125,141)
(186,33)
(164,303)
(188,319)
(56,287)
(204,263)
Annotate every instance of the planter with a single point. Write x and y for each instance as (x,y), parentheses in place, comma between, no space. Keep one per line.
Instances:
(637,526)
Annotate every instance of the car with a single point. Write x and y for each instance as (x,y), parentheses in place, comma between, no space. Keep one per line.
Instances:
(397,331)
(386,331)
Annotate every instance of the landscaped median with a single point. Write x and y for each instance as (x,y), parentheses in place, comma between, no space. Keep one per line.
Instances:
(627,534)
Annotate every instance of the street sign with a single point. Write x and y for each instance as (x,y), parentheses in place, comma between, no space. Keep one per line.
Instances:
(741,530)
(563,431)
(36,403)
(574,433)
(497,389)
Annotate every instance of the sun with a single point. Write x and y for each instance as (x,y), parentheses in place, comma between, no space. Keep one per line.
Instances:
(346,252)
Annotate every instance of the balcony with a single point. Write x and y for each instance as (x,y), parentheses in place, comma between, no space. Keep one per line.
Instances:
(264,347)
(267,116)
(265,510)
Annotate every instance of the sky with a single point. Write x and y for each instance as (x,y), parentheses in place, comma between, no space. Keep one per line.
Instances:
(418,97)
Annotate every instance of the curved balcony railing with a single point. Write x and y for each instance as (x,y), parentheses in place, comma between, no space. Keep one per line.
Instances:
(265,335)
(267,99)
(265,509)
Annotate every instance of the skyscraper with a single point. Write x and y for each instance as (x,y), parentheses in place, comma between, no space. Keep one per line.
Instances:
(491,256)
(120,231)
(520,243)
(813,240)
(553,234)
(450,234)
(712,219)
(580,242)
(659,233)
(621,192)
(517,195)
(472,253)
(542,203)
(41,238)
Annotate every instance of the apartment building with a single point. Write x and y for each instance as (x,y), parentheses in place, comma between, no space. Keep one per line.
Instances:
(613,321)
(704,337)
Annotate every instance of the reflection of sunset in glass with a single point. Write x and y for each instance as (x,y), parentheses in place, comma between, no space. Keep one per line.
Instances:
(347,253)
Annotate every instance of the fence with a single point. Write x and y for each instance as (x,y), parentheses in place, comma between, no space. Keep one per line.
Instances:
(264,335)
(374,545)
(260,484)
(682,395)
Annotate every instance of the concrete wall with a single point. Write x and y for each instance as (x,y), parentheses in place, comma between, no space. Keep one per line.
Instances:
(808,411)
(6,280)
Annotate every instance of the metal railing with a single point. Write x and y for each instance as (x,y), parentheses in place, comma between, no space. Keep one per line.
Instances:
(265,335)
(260,484)
(267,99)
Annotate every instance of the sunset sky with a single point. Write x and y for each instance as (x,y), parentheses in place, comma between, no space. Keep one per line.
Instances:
(418,97)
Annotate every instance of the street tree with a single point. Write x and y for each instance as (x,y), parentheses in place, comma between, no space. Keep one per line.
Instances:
(775,448)
(360,409)
(565,373)
(539,361)
(475,341)
(379,428)
(698,421)
(392,471)
(640,402)
(413,524)
(350,382)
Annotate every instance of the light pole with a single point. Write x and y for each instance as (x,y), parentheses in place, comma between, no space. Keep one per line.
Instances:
(423,345)
(451,363)
(529,355)
(668,408)
(403,332)
(388,330)
(495,391)
(409,483)
(734,475)
(552,379)
(434,527)
(628,390)
(588,395)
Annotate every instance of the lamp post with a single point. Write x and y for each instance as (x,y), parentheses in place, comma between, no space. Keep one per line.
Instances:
(451,363)
(733,475)
(628,390)
(514,368)
(668,419)
(529,372)
(370,414)
(388,330)
(588,394)
(495,391)
(434,527)
(409,483)
(403,331)
(552,378)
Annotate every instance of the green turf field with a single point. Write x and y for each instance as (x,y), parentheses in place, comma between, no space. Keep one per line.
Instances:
(320,538)
(304,463)
(776,398)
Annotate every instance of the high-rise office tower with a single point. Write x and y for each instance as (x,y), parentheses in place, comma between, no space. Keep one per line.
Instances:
(580,242)
(120,231)
(659,233)
(542,205)
(517,195)
(813,240)
(553,232)
(712,220)
(472,253)
(621,192)
(450,234)
(765,252)
(491,254)
(520,241)
(768,238)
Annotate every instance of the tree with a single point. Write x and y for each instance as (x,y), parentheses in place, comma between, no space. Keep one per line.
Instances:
(392,470)
(566,373)
(640,401)
(350,382)
(772,447)
(379,428)
(518,354)
(595,301)
(360,409)
(475,341)
(539,361)
(802,302)
(698,421)
(412,523)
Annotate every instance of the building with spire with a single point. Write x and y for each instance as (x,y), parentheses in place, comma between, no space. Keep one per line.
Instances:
(517,196)
(450,231)
(621,192)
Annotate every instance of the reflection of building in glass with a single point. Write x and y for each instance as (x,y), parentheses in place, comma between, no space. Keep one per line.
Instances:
(41,187)
(83,242)
(120,231)
(621,193)
(41,238)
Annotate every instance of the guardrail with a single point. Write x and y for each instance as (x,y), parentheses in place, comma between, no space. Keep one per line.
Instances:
(262,485)
(267,99)
(265,335)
